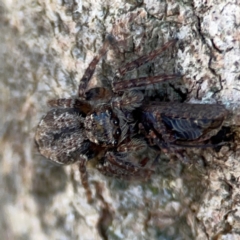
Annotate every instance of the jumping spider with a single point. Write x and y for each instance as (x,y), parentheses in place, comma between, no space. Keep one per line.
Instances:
(113,133)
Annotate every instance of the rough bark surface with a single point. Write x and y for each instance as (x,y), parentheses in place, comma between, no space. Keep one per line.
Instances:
(45,46)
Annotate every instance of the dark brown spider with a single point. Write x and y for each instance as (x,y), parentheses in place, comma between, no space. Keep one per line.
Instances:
(120,135)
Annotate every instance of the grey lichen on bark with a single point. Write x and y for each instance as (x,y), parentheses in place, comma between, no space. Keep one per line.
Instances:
(45,48)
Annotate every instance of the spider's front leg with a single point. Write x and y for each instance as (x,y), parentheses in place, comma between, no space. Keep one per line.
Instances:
(90,70)
(145,59)
(137,83)
(80,105)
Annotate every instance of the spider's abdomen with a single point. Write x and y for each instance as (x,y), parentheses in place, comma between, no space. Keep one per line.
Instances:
(60,136)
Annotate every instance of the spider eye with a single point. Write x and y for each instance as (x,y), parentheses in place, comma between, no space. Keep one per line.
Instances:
(94,114)
(115,121)
(118,132)
(109,112)
(115,142)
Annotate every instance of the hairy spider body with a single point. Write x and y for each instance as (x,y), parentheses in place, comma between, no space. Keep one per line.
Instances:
(121,134)
(61,138)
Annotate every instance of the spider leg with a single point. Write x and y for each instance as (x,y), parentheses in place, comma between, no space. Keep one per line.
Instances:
(129,100)
(114,166)
(144,59)
(84,179)
(132,146)
(97,93)
(117,170)
(124,164)
(90,70)
(168,148)
(137,145)
(139,83)
(81,105)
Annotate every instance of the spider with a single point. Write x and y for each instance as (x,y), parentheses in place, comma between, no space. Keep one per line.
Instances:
(115,130)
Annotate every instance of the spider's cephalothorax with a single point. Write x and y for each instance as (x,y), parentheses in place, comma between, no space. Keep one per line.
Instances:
(122,134)
(102,126)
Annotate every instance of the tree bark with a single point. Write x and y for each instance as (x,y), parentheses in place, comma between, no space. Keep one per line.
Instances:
(45,47)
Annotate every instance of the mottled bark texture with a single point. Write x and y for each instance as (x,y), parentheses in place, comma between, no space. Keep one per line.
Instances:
(45,46)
